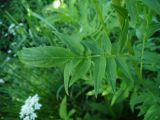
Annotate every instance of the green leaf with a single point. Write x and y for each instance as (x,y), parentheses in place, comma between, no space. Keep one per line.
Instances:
(118,97)
(121,94)
(92,46)
(63,109)
(153,28)
(106,43)
(132,11)
(80,70)
(111,72)
(123,66)
(69,67)
(122,13)
(135,99)
(47,56)
(72,42)
(124,36)
(99,72)
(152,113)
(153,4)
(67,73)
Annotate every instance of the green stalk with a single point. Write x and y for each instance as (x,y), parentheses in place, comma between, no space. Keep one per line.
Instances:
(97,6)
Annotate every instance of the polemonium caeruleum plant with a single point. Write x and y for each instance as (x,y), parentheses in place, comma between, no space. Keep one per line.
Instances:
(110,45)
(28,109)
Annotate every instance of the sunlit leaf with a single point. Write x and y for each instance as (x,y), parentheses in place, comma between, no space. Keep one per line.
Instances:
(123,66)
(124,35)
(111,72)
(72,42)
(63,109)
(132,11)
(106,44)
(99,72)
(47,56)
(68,70)
(81,69)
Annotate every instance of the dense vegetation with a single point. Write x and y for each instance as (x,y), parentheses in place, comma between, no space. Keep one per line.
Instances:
(80,59)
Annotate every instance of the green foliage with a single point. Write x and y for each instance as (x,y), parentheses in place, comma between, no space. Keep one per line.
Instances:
(154,5)
(147,99)
(108,49)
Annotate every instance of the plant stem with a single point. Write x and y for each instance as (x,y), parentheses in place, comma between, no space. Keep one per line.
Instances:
(97,6)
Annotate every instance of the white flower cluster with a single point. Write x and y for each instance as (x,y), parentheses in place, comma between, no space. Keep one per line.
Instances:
(56,4)
(12,28)
(28,109)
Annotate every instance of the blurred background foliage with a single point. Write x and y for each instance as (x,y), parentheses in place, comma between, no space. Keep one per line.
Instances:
(29,23)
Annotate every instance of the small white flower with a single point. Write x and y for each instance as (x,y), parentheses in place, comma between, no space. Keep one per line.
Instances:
(9,51)
(26,118)
(12,29)
(56,4)
(14,55)
(37,106)
(12,26)
(2,81)
(21,24)
(28,109)
(34,115)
